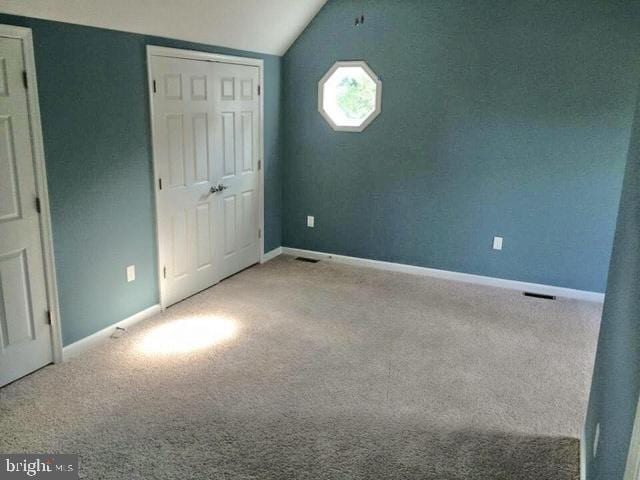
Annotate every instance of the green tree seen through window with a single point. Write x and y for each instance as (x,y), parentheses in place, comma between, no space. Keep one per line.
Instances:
(356,97)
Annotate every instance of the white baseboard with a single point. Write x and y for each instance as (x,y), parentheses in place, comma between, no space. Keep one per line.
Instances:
(448,275)
(271,255)
(87,343)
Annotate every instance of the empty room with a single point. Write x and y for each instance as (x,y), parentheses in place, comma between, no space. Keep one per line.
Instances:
(320,239)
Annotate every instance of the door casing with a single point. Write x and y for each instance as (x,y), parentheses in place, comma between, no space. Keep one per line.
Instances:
(153,50)
(632,471)
(37,145)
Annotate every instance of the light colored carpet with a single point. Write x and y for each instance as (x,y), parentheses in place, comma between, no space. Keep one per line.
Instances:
(334,372)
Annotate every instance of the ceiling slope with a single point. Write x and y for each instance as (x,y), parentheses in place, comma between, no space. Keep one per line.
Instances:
(265,26)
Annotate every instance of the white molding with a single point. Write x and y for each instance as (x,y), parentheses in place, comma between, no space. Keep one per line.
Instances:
(157,51)
(632,471)
(154,50)
(11,31)
(271,255)
(583,452)
(87,343)
(448,275)
(261,170)
(161,294)
(372,116)
(25,35)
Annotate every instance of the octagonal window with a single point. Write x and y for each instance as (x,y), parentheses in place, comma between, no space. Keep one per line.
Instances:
(349,96)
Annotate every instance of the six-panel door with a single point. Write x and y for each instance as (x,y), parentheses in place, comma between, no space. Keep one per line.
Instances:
(236,164)
(206,118)
(25,335)
(183,113)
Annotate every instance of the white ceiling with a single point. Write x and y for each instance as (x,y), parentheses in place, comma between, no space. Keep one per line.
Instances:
(266,26)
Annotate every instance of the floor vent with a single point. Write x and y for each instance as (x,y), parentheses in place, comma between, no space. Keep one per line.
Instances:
(308,260)
(539,295)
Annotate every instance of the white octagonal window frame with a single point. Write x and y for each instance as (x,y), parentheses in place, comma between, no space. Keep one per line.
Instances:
(328,104)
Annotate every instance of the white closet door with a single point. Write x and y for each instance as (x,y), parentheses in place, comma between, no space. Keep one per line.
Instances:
(183,116)
(25,335)
(206,137)
(236,141)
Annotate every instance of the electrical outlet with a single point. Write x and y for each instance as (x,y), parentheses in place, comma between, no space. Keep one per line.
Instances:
(497,243)
(596,440)
(311,221)
(131,273)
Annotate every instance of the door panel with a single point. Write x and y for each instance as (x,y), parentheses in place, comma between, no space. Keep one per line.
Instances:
(173,86)
(246,125)
(180,247)
(9,201)
(201,146)
(199,87)
(15,317)
(25,335)
(228,88)
(248,219)
(183,159)
(203,235)
(237,109)
(229,225)
(175,145)
(228,144)
(247,89)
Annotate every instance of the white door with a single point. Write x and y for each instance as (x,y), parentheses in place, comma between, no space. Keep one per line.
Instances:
(183,152)
(205,155)
(236,135)
(25,334)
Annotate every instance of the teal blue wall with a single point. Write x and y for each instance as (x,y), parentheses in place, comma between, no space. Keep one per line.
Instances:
(500,117)
(616,378)
(95,119)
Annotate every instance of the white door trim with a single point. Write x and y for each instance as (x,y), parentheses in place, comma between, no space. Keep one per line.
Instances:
(37,144)
(632,472)
(153,50)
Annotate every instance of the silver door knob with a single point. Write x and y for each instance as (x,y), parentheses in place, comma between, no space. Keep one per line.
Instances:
(217,188)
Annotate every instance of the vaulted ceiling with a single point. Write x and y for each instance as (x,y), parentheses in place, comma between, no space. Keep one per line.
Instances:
(266,26)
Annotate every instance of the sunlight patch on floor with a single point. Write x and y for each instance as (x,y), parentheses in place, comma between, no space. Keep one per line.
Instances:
(188,334)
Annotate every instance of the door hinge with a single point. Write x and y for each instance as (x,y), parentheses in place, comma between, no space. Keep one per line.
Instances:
(38,206)
(160,183)
(164,272)
(259,233)
(154,86)
(49,317)
(24,79)
(259,164)
(259,90)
